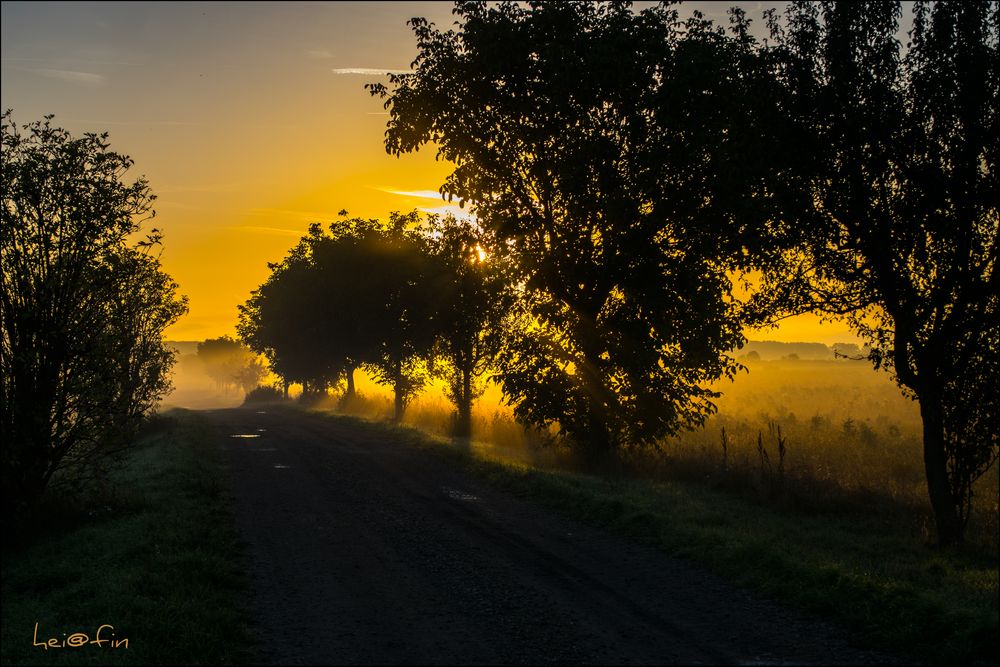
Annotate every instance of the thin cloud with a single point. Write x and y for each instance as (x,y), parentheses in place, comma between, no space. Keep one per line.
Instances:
(460,213)
(443,208)
(86,78)
(421,194)
(370,71)
(77,61)
(318,54)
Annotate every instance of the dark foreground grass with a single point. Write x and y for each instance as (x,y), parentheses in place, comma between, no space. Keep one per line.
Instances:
(155,556)
(892,590)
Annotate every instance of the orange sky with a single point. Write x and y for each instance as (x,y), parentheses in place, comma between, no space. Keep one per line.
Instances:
(248,120)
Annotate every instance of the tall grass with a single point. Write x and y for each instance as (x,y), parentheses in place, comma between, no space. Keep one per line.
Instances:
(813,436)
(851,441)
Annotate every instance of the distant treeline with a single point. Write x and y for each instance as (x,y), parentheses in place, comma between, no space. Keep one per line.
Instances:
(183,347)
(769,350)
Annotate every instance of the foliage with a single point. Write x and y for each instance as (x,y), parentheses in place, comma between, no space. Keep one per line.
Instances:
(83,309)
(602,152)
(264,394)
(474,305)
(399,298)
(901,229)
(362,293)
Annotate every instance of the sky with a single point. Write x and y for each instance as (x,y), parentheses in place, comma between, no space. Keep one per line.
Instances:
(249,120)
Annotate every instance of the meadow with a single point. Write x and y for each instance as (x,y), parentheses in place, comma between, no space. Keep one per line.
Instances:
(810,434)
(807,435)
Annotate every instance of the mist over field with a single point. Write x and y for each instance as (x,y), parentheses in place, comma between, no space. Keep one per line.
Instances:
(842,420)
(789,384)
(193,388)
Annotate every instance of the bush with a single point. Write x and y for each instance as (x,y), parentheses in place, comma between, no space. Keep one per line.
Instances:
(83,309)
(264,394)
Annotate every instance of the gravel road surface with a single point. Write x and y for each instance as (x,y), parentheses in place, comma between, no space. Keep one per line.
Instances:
(367,551)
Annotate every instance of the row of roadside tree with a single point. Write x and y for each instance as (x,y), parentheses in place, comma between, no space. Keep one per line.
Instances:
(648,186)
(406,300)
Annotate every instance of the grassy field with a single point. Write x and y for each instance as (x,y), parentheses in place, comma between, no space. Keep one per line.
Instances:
(834,519)
(155,556)
(867,572)
(851,444)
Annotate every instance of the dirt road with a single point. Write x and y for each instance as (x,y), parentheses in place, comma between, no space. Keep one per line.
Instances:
(367,551)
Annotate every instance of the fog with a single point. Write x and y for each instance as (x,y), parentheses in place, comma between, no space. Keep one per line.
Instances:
(194,389)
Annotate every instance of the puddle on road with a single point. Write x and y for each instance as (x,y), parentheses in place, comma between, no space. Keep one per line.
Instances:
(455,494)
(261,412)
(281,466)
(245,435)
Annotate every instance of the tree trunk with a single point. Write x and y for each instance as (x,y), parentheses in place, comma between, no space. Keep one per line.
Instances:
(397,388)
(597,451)
(599,443)
(950,529)
(463,427)
(27,466)
(284,388)
(350,382)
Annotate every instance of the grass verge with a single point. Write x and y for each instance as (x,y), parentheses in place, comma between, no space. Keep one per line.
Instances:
(156,557)
(880,580)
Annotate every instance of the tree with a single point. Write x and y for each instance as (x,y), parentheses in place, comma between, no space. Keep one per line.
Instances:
(848,351)
(82,309)
(901,231)
(474,302)
(350,307)
(281,321)
(602,151)
(361,293)
(401,288)
(251,375)
(231,363)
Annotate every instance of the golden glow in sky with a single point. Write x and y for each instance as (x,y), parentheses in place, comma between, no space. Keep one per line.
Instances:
(250,122)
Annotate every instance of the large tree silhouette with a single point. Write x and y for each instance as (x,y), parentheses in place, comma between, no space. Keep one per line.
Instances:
(82,308)
(602,150)
(901,232)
